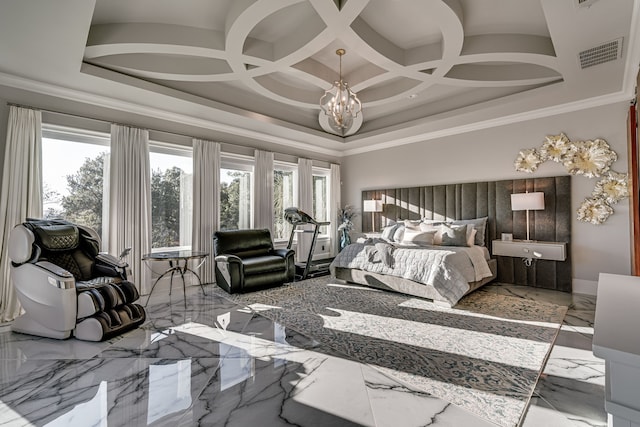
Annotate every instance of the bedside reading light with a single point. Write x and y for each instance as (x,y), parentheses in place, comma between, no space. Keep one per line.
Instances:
(527,202)
(372,206)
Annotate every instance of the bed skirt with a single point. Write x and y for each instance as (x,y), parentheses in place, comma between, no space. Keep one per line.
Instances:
(407,286)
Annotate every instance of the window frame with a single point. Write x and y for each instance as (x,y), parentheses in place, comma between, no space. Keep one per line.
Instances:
(171,149)
(325,172)
(243,163)
(287,167)
(86,136)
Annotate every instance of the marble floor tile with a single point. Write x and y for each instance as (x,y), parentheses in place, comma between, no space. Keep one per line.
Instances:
(119,392)
(219,363)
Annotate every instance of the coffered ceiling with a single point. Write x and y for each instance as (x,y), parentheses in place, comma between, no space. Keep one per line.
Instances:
(257,68)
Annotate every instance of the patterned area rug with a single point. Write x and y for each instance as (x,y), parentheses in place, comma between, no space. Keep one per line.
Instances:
(484,355)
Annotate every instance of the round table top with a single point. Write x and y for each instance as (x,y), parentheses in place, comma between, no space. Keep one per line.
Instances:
(179,254)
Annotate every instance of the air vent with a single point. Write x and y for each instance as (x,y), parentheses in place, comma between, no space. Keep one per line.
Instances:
(585,3)
(606,52)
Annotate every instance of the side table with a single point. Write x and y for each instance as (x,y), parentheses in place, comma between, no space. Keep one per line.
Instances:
(175,258)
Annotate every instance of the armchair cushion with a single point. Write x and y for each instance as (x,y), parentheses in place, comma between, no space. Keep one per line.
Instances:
(246,260)
(263,264)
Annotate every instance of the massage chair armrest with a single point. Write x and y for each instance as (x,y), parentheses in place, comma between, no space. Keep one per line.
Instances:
(109,265)
(43,272)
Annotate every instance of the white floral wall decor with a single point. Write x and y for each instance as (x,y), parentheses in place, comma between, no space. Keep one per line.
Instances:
(594,210)
(612,188)
(528,160)
(591,158)
(556,148)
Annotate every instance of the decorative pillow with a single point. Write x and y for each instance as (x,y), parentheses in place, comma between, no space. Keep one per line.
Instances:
(412,223)
(398,233)
(437,237)
(454,236)
(387,232)
(433,221)
(471,237)
(417,237)
(479,224)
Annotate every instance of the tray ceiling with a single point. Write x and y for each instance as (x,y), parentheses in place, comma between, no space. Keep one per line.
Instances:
(419,67)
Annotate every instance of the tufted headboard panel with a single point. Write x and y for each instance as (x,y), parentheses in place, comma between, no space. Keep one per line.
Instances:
(491,199)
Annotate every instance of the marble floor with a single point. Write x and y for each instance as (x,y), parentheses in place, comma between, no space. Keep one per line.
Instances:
(217,363)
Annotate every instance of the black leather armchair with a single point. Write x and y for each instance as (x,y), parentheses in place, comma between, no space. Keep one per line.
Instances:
(246,261)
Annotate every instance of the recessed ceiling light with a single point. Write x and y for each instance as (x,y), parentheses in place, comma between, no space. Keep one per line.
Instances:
(413,95)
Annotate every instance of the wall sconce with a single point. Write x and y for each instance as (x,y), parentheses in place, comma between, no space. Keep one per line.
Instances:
(372,206)
(527,202)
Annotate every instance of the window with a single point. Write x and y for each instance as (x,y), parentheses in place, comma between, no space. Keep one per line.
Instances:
(171,196)
(285,178)
(236,189)
(75,177)
(321,190)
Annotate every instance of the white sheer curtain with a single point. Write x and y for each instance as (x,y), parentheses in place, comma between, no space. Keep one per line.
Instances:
(334,205)
(21,192)
(263,189)
(305,203)
(130,199)
(206,201)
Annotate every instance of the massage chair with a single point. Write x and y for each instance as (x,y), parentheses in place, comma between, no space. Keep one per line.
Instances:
(67,286)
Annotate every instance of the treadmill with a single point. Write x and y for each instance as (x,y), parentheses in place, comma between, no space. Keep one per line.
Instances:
(310,268)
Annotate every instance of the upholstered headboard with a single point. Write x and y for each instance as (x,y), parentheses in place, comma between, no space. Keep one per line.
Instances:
(491,199)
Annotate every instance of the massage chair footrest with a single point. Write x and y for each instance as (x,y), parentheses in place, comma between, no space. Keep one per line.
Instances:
(109,323)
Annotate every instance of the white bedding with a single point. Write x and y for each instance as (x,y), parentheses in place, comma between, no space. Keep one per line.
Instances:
(449,269)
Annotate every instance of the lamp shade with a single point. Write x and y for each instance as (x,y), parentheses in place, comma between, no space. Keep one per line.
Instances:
(527,201)
(372,206)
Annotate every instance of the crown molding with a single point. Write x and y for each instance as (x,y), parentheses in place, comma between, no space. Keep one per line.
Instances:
(135,108)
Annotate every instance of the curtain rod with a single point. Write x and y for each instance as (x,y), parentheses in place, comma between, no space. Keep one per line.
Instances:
(124,124)
(97,120)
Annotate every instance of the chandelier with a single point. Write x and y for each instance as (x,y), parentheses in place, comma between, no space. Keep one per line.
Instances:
(341,107)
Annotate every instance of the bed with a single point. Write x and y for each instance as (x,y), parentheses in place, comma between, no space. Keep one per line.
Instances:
(412,258)
(466,203)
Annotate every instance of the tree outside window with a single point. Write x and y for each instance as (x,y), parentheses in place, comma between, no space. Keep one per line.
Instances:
(235,199)
(77,195)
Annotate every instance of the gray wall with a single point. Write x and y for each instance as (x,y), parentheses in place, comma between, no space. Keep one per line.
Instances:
(489,154)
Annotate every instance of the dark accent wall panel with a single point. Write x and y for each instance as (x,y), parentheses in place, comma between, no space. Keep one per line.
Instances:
(492,199)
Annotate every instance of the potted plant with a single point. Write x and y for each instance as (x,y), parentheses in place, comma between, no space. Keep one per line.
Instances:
(345,215)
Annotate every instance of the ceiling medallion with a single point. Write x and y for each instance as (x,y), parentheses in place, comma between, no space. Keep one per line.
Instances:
(341,109)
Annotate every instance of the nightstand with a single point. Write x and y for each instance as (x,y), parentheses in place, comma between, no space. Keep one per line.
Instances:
(554,251)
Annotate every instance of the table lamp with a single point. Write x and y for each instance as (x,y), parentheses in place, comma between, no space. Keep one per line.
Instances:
(527,202)
(372,206)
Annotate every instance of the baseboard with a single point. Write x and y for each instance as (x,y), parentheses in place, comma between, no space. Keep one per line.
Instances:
(580,286)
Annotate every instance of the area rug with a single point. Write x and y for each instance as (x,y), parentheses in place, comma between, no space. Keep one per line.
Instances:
(484,355)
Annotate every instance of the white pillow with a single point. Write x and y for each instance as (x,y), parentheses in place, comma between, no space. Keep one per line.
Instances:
(437,236)
(412,223)
(417,237)
(437,240)
(471,237)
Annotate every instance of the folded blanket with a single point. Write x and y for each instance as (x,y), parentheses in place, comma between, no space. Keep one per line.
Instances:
(378,250)
(480,266)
